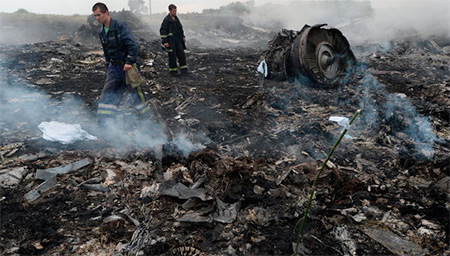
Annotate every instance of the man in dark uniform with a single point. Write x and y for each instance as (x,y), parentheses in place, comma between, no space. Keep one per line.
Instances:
(173,41)
(121,52)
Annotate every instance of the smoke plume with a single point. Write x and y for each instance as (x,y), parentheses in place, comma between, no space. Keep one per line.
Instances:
(27,107)
(360,21)
(379,107)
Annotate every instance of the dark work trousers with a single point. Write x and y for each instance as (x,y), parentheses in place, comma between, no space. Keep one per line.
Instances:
(177,52)
(113,91)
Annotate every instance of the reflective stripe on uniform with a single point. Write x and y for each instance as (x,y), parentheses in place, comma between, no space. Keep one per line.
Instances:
(141,106)
(173,69)
(142,111)
(107,109)
(182,67)
(108,106)
(141,94)
(105,112)
(165,36)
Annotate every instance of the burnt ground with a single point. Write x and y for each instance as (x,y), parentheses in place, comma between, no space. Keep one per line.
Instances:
(385,191)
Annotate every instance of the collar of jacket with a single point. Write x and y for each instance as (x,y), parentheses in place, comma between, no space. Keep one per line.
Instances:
(170,18)
(112,26)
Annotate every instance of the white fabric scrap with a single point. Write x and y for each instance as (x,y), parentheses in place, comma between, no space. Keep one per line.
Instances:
(262,68)
(342,121)
(64,133)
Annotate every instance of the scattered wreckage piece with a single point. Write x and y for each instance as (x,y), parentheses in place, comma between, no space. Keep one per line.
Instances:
(179,190)
(322,54)
(50,178)
(10,149)
(49,173)
(394,243)
(43,187)
(12,177)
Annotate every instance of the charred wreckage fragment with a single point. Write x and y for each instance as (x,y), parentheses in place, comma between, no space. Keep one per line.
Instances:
(323,55)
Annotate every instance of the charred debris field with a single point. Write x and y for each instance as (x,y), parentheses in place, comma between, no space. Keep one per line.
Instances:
(236,178)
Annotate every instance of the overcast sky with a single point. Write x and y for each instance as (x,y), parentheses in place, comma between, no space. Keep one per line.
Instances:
(69,7)
(84,6)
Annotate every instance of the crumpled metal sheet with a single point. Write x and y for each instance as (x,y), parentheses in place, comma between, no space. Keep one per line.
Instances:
(226,213)
(179,190)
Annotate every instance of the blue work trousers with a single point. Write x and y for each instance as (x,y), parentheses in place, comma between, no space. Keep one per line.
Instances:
(115,87)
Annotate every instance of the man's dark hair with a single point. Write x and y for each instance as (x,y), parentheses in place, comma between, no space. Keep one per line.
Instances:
(102,7)
(172,6)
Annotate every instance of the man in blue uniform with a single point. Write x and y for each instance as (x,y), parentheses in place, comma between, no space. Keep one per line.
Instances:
(173,41)
(121,53)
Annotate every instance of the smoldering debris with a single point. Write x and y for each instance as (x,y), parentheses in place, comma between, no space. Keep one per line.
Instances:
(237,174)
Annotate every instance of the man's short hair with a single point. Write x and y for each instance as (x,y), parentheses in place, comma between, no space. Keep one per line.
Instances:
(102,6)
(172,6)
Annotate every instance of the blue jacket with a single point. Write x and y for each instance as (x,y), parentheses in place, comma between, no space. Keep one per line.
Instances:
(119,43)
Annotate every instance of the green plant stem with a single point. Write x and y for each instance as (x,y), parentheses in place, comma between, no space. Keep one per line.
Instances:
(322,167)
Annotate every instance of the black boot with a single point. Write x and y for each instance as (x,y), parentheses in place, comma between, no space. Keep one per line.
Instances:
(184,72)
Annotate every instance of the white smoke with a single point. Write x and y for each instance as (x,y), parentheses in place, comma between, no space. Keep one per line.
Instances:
(402,18)
(360,21)
(21,105)
(397,111)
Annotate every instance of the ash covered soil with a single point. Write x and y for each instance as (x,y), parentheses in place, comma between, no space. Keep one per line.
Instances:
(251,149)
